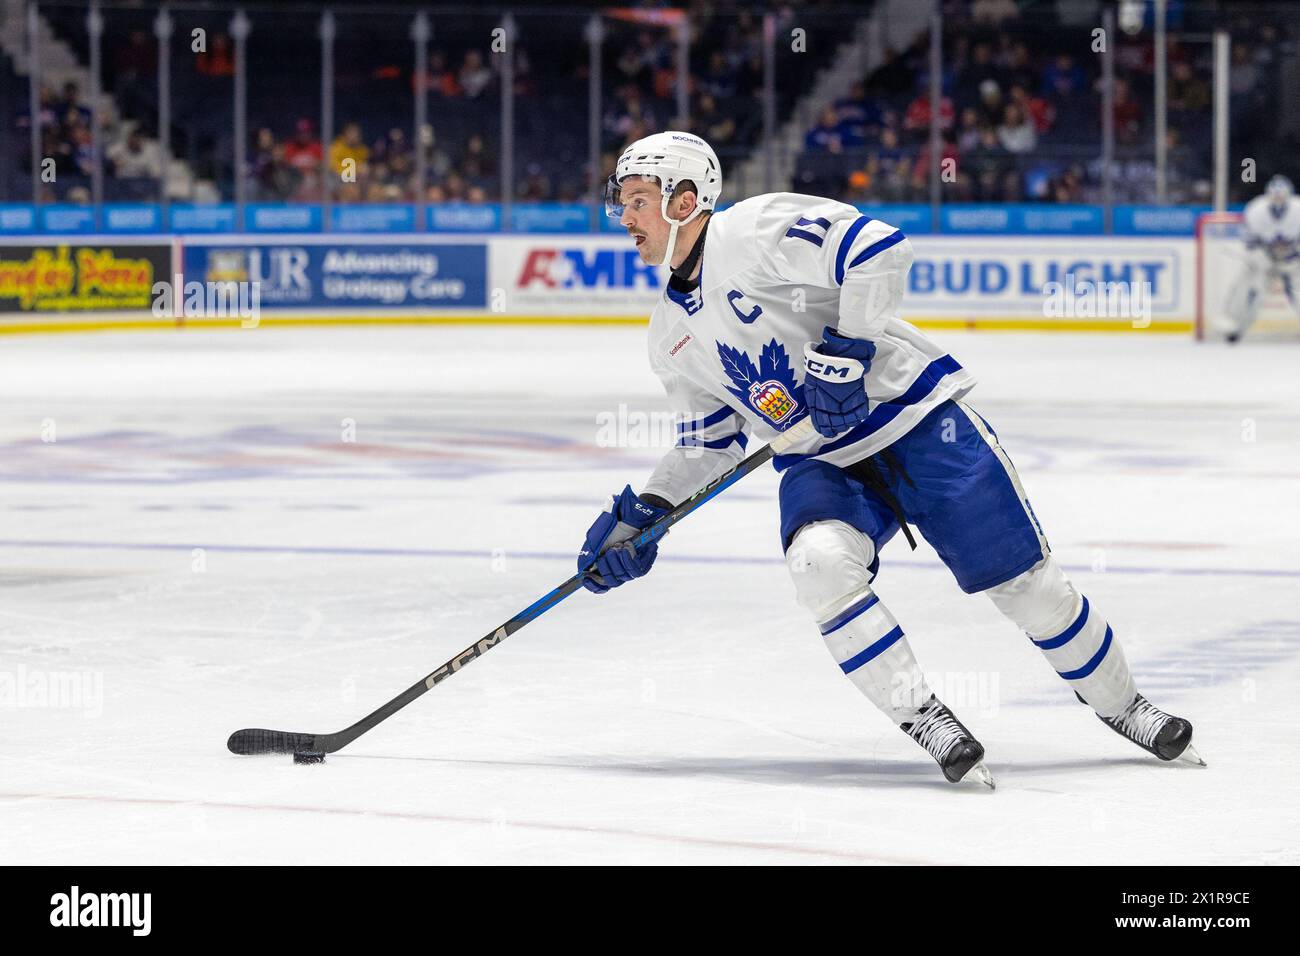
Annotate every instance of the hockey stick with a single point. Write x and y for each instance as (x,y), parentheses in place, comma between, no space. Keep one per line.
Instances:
(257,741)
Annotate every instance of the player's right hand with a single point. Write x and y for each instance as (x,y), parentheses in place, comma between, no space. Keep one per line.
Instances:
(833,384)
(622,562)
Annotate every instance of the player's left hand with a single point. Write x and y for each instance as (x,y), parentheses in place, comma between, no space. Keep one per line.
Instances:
(614,528)
(834,381)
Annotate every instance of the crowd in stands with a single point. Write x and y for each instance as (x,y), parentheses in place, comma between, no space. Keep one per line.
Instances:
(132,162)
(1020,114)
(382,170)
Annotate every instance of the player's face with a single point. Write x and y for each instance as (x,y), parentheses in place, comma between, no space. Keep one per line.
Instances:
(643,221)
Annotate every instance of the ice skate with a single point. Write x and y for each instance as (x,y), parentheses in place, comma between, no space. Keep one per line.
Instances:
(1166,736)
(950,744)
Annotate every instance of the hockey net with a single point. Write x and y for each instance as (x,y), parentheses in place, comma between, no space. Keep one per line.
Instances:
(1220,256)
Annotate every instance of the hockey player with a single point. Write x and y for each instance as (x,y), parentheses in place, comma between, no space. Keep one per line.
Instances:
(787,306)
(1272,236)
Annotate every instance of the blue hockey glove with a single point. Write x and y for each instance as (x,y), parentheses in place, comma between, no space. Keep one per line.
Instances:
(833,385)
(621,564)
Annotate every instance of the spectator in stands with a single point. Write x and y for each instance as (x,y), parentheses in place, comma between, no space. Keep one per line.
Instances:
(135,157)
(536,186)
(1019,68)
(1127,112)
(859,114)
(710,123)
(948,159)
(1067,186)
(1063,78)
(476,164)
(1017,134)
(968,130)
(436,160)
(628,117)
(917,119)
(217,62)
(1039,110)
(986,162)
(303,152)
(825,136)
(980,70)
(1188,93)
(719,80)
(441,79)
(276,178)
(349,145)
(475,77)
(895,185)
(991,108)
(454,187)
(1243,73)
(68,106)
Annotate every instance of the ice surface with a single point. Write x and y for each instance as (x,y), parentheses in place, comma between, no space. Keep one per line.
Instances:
(690,717)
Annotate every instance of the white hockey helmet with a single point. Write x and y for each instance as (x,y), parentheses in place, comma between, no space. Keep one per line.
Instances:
(671,158)
(1279,189)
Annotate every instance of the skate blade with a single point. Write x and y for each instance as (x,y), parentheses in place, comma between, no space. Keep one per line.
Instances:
(981,773)
(1191,756)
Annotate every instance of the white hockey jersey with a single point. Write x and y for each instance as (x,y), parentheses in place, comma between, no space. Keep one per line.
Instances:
(1277,236)
(776,269)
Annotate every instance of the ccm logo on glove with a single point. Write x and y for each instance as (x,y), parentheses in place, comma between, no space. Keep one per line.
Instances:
(842,370)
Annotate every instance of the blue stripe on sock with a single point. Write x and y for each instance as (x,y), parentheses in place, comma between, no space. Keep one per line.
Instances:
(848,614)
(1091,666)
(1051,643)
(875,650)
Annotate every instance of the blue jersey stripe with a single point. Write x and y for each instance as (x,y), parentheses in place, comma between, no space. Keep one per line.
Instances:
(878,247)
(884,413)
(872,652)
(843,252)
(690,441)
(696,424)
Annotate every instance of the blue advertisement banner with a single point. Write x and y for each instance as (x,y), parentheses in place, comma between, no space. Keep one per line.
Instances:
(558,218)
(133,217)
(347,275)
(215,218)
(67,219)
(376,218)
(914,219)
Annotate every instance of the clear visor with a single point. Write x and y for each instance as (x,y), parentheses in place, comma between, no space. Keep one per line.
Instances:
(613,198)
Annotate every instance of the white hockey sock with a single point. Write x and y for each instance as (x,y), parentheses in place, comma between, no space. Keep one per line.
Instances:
(1074,638)
(873,653)
(829,562)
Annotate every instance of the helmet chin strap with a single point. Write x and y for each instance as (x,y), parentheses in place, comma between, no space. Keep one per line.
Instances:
(673,226)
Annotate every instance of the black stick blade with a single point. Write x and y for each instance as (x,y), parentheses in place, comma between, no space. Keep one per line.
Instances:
(253,741)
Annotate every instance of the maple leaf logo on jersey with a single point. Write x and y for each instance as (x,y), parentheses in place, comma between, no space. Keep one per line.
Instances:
(768,389)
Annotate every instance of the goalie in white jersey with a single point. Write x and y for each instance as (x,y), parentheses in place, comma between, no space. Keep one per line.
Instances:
(785,307)
(1272,237)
